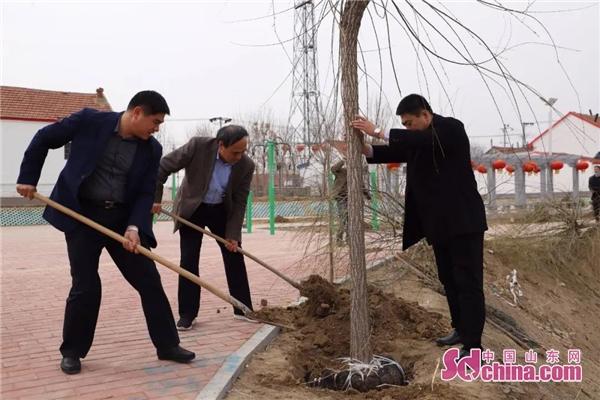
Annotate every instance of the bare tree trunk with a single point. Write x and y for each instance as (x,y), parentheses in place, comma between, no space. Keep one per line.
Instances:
(360,343)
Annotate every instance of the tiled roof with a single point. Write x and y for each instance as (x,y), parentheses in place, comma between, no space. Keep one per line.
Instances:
(46,105)
(593,120)
(507,150)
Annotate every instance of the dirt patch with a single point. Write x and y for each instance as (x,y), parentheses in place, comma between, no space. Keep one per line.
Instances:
(321,294)
(280,219)
(560,278)
(322,326)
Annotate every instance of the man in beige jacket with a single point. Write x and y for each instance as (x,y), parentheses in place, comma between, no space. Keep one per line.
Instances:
(213,194)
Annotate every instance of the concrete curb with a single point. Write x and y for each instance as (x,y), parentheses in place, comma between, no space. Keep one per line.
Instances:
(220,384)
(233,366)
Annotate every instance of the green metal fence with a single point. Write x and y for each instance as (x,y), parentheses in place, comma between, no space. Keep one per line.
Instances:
(19,216)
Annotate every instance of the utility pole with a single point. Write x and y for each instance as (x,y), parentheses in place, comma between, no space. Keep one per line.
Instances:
(505,129)
(523,125)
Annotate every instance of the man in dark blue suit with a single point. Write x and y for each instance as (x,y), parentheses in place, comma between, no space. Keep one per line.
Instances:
(110,177)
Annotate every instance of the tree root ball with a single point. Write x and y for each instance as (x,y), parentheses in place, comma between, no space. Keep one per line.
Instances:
(376,379)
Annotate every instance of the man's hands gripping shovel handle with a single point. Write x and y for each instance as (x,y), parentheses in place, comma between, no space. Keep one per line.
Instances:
(239,249)
(142,250)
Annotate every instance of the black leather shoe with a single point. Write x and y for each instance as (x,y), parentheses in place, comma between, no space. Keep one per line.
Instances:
(177,354)
(450,340)
(70,365)
(185,323)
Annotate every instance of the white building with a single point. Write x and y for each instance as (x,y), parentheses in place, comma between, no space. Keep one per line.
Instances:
(574,136)
(22,113)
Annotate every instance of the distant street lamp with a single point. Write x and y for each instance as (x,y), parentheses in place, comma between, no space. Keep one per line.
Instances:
(549,102)
(222,120)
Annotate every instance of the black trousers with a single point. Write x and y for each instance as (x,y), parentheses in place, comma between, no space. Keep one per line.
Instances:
(214,217)
(84,246)
(596,205)
(460,269)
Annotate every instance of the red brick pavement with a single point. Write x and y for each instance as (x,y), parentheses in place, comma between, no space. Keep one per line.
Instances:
(122,362)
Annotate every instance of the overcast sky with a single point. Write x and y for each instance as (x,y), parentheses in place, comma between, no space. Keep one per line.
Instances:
(208,58)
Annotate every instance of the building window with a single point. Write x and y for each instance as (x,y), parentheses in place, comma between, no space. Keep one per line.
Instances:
(67,150)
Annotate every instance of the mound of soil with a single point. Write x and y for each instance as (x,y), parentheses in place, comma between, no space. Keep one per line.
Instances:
(322,326)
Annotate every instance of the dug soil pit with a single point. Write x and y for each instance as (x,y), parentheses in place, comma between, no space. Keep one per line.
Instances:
(322,326)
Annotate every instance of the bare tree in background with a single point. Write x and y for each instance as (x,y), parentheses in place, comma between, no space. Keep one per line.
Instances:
(203,130)
(360,338)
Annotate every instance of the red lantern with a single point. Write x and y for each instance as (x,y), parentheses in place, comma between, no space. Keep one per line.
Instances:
(481,169)
(299,147)
(315,148)
(581,166)
(285,147)
(499,165)
(529,167)
(510,169)
(393,166)
(556,166)
(534,167)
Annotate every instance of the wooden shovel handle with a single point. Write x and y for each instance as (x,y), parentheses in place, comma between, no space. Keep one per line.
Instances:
(144,251)
(240,250)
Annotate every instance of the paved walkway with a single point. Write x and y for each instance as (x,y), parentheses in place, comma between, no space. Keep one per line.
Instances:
(122,363)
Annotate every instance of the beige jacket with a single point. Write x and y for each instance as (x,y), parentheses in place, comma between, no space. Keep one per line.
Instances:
(198,157)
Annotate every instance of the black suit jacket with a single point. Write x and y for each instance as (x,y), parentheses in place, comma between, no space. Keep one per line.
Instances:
(441,198)
(88,131)
(594,185)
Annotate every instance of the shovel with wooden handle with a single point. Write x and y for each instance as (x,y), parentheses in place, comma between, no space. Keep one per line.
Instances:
(142,250)
(240,250)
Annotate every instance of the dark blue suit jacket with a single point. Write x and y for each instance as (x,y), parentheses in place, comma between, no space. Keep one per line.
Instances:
(88,131)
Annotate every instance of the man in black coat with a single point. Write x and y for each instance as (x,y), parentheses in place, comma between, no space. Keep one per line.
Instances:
(110,177)
(594,186)
(442,204)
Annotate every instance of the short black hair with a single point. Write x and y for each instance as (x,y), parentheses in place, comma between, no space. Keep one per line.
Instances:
(230,134)
(151,102)
(413,104)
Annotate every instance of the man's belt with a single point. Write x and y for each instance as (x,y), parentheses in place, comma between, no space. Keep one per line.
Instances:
(210,205)
(106,204)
